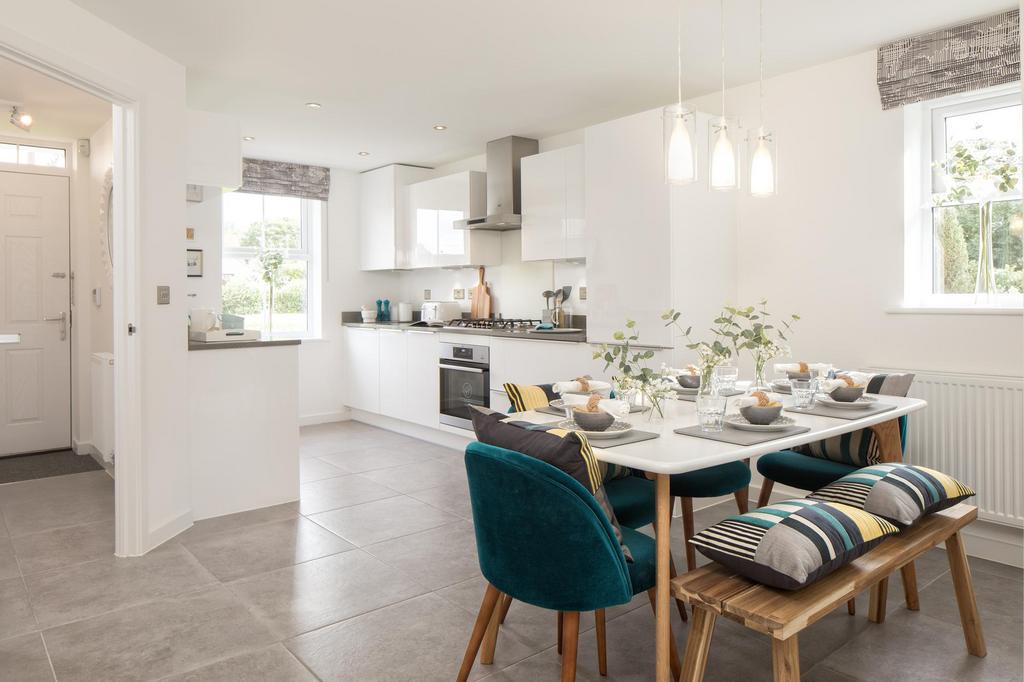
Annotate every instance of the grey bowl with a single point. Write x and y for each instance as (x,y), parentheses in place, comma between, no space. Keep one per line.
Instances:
(761,415)
(798,375)
(593,421)
(689,380)
(847,394)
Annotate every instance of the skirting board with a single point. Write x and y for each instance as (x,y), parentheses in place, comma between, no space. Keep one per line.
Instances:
(323,418)
(165,532)
(448,439)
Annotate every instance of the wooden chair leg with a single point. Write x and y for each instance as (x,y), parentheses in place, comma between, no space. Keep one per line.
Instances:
(851,607)
(491,634)
(482,619)
(876,607)
(680,604)
(652,595)
(698,645)
(963,585)
(570,638)
(786,660)
(743,499)
(766,492)
(909,575)
(560,621)
(602,642)
(691,552)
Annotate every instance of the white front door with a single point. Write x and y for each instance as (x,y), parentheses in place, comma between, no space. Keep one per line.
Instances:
(35,334)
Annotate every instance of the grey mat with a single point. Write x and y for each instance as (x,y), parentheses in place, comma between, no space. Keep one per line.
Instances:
(44,465)
(692,397)
(740,437)
(820,410)
(634,436)
(561,413)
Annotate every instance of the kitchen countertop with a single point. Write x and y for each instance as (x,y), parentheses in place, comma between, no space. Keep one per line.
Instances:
(575,337)
(222,345)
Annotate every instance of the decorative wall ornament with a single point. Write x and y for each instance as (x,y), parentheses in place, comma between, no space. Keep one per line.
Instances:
(194,262)
(285,179)
(106,224)
(956,59)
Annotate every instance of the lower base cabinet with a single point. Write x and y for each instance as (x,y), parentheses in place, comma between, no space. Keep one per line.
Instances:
(393,372)
(422,387)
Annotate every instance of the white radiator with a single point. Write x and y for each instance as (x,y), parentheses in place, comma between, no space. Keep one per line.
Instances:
(973,429)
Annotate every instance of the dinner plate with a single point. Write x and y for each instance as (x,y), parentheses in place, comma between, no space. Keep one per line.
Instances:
(737,421)
(619,428)
(782,386)
(559,404)
(860,403)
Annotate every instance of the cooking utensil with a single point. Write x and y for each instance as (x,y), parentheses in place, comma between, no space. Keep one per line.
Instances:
(566,292)
(548,295)
(481,308)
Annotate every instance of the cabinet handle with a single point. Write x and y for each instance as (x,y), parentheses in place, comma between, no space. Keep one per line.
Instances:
(474,370)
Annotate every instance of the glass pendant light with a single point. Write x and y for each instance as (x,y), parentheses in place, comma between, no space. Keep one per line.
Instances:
(680,125)
(722,138)
(764,167)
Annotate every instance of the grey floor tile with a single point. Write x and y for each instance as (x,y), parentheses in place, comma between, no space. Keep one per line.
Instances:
(435,558)
(157,639)
(381,457)
(24,659)
(821,673)
(56,486)
(316,469)
(255,517)
(58,506)
(452,497)
(1001,570)
(317,593)
(83,590)
(266,547)
(15,610)
(8,563)
(274,663)
(64,546)
(335,429)
(1000,605)
(392,517)
(342,491)
(419,639)
(409,478)
(912,646)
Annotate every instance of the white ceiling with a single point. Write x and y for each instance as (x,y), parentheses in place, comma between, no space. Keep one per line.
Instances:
(387,70)
(61,112)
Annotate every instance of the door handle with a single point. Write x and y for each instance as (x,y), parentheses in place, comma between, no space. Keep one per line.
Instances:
(63,319)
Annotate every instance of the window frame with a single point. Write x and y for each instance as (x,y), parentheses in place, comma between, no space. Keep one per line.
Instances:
(924,143)
(312,223)
(66,170)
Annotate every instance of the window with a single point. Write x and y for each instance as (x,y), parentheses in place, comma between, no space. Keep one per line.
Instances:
(31,155)
(271,250)
(970,231)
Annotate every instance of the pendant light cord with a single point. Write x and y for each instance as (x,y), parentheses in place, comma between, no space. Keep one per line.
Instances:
(679,54)
(722,31)
(760,48)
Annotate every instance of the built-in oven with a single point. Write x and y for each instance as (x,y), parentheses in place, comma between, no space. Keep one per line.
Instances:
(465,380)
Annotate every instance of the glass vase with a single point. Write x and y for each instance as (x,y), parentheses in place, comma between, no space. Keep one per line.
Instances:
(760,382)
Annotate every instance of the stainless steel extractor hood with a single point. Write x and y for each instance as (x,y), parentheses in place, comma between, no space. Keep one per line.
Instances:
(503,200)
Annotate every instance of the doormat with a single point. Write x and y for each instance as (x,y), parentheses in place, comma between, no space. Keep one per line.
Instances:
(44,465)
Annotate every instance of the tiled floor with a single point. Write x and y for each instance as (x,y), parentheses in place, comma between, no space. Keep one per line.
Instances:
(373,576)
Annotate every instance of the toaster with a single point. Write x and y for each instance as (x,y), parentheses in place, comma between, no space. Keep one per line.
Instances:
(440,311)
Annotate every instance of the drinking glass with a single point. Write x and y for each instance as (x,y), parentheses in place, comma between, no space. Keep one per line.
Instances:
(725,378)
(803,391)
(710,412)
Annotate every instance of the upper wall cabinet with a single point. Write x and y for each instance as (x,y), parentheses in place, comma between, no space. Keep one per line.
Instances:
(553,205)
(381,214)
(428,238)
(214,150)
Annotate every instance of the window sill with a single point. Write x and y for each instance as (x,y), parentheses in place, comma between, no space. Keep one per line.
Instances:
(924,310)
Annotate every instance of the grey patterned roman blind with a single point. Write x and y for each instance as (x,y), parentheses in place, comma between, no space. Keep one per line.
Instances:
(951,60)
(285,179)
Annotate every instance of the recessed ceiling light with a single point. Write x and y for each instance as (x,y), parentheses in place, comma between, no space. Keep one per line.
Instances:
(439,127)
(313,105)
(364,153)
(248,138)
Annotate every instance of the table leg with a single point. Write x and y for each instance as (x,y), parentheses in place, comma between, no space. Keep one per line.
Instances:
(887,436)
(663,632)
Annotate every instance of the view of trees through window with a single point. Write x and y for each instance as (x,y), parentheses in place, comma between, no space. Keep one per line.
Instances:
(977,224)
(267,261)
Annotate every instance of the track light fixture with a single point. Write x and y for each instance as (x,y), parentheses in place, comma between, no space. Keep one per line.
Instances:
(21,119)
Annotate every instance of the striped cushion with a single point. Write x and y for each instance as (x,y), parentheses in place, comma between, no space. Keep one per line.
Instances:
(900,493)
(793,543)
(859,448)
(524,397)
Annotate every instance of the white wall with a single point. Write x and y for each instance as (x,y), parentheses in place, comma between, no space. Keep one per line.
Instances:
(66,36)
(205,217)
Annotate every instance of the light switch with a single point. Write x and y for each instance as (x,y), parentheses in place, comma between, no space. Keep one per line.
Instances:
(583,293)
(426,294)
(163,295)
(458,294)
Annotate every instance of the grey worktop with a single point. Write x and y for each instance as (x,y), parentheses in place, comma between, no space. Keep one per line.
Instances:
(224,345)
(576,337)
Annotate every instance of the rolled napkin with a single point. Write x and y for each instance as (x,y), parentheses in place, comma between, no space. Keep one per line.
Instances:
(759,399)
(582,385)
(619,408)
(858,379)
(667,371)
(802,367)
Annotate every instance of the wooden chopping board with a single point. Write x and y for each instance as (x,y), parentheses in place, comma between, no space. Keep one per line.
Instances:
(481,307)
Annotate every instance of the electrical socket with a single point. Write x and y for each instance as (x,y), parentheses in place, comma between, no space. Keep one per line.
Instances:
(583,293)
(458,294)
(163,295)
(426,294)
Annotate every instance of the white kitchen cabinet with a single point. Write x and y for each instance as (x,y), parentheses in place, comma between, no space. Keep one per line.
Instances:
(428,238)
(422,378)
(392,364)
(382,214)
(553,205)
(362,359)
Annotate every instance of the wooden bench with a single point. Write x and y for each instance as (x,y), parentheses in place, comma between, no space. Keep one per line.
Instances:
(714,591)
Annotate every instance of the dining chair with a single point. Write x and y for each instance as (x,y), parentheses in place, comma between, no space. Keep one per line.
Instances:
(543,539)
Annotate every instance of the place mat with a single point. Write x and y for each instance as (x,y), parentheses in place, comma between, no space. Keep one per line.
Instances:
(740,437)
(634,436)
(820,410)
(692,397)
(547,409)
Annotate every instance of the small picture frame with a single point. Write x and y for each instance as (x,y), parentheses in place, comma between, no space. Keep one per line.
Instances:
(194,262)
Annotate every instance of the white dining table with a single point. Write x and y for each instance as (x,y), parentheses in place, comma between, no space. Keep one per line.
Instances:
(673,453)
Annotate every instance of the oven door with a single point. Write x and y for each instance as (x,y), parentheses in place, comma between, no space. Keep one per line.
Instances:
(462,385)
